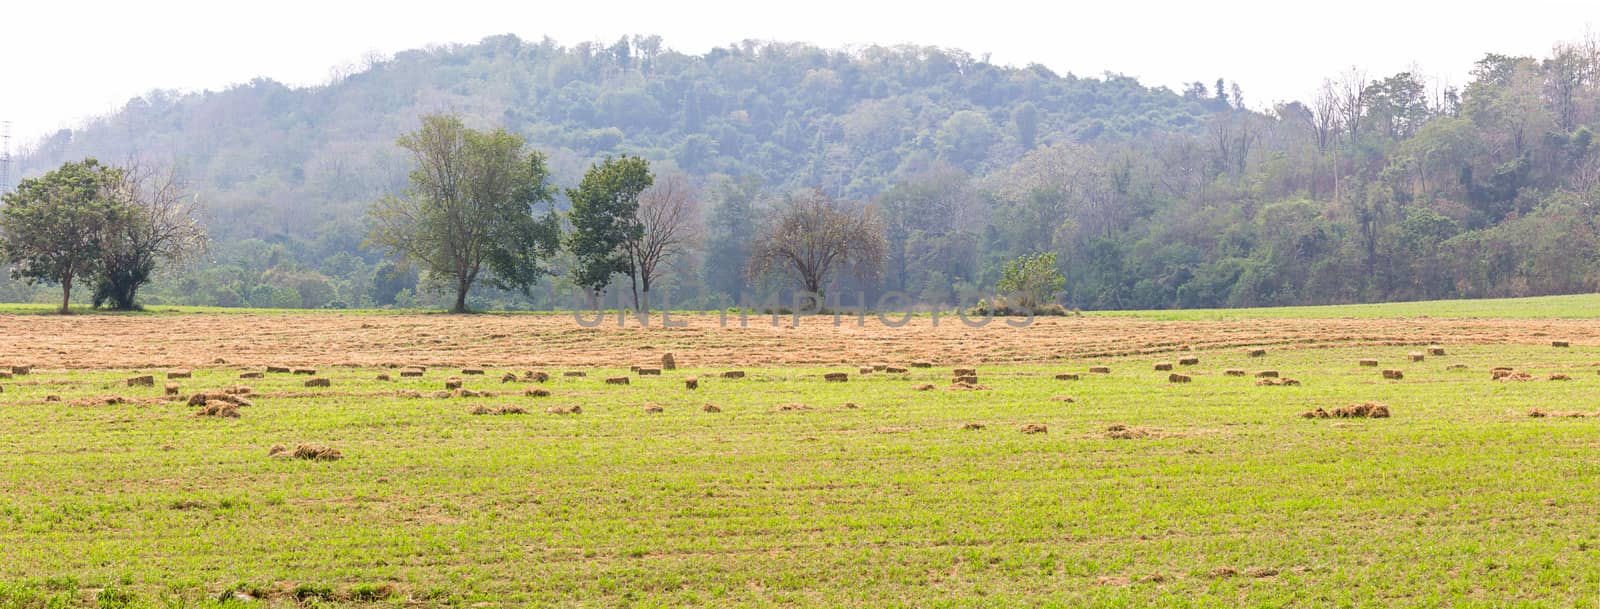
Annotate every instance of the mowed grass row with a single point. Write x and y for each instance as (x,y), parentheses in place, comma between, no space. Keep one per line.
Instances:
(1459,499)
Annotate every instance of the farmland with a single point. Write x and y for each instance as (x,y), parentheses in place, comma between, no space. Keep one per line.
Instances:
(877,491)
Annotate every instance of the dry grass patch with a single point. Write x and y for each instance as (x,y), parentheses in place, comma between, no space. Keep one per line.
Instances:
(219,409)
(573,409)
(710,408)
(536,392)
(1277,382)
(1124,432)
(973,426)
(793,406)
(502,409)
(1033,428)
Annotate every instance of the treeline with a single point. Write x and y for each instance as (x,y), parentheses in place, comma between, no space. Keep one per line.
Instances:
(1375,188)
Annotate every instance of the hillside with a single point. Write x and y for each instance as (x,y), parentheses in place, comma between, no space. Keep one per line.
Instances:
(1375,189)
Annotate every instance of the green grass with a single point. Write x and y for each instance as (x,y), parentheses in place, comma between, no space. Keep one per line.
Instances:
(1575,306)
(1459,500)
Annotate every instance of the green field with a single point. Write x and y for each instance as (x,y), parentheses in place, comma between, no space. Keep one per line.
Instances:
(1232,500)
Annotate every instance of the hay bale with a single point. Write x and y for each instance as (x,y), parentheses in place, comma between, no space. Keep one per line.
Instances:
(1368,410)
(879,367)
(1235,372)
(503,409)
(52,398)
(691,383)
(850,406)
(1277,382)
(171,388)
(472,371)
(321,382)
(894,370)
(1558,377)
(1456,367)
(1099,370)
(574,374)
(536,376)
(733,374)
(972,426)
(5,374)
(385,377)
(836,377)
(453,383)
(508,377)
(1393,374)
(921,364)
(1560,343)
(573,409)
(1178,378)
(1032,428)
(924,387)
(1436,351)
(1163,366)
(238,390)
(864,370)
(205,398)
(409,393)
(966,380)
(1415,356)
(277,449)
(218,409)
(468,393)
(710,408)
(617,380)
(314,452)
(1256,352)
(21,370)
(1267,374)
(1319,413)
(142,381)
(1368,363)
(653,409)
(633,368)
(1537,413)
(536,392)
(1509,375)
(278,369)
(1188,361)
(1067,377)
(179,374)
(964,372)
(411,373)
(306,371)
(649,372)
(668,362)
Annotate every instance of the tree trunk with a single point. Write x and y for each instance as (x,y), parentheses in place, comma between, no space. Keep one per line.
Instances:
(66,294)
(461,297)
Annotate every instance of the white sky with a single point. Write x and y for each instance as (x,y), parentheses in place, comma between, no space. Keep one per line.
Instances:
(61,61)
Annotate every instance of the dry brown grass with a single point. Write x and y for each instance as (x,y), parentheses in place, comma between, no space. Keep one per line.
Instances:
(1124,432)
(310,338)
(207,398)
(710,408)
(1558,377)
(970,426)
(573,409)
(1368,410)
(653,409)
(1277,382)
(924,387)
(1032,428)
(536,392)
(536,376)
(316,452)
(1062,398)
(792,406)
(219,409)
(574,374)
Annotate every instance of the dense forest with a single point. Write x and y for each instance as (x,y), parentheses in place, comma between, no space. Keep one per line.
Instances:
(1377,187)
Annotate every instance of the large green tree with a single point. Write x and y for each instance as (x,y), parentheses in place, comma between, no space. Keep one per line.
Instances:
(605,219)
(51,226)
(159,223)
(470,213)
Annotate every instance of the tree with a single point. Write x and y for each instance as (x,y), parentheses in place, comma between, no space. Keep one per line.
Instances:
(813,236)
(50,227)
(1033,278)
(669,223)
(159,224)
(605,219)
(470,206)
(729,225)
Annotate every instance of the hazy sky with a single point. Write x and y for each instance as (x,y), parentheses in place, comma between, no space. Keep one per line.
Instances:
(61,62)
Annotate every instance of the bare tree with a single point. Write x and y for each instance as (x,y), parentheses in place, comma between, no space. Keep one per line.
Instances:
(813,236)
(1351,96)
(160,224)
(669,214)
(1325,115)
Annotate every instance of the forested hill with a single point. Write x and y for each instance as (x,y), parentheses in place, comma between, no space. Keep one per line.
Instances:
(1376,187)
(274,159)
